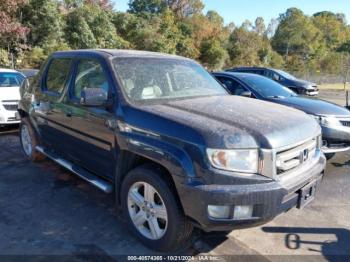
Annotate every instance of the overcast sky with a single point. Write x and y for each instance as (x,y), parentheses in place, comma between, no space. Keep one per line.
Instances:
(238,10)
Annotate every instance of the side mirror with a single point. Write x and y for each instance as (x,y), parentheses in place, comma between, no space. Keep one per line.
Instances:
(246,94)
(94,97)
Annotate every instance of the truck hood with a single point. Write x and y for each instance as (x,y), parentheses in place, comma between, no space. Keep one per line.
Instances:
(235,122)
(313,106)
(9,93)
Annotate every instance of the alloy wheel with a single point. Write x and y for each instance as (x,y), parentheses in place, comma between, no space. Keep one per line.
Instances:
(26,140)
(147,210)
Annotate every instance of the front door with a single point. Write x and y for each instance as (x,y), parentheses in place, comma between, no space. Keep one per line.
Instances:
(91,130)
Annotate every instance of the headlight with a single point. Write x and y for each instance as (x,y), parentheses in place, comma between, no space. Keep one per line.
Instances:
(326,121)
(240,160)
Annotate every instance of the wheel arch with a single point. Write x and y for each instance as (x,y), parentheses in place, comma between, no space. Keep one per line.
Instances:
(131,160)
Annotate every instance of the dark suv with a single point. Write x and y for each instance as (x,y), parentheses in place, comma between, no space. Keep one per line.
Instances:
(299,86)
(162,134)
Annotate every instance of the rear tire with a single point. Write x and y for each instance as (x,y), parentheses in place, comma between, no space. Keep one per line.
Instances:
(29,141)
(160,213)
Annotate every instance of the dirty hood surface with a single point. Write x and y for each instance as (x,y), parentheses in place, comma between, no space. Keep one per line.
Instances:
(9,93)
(237,122)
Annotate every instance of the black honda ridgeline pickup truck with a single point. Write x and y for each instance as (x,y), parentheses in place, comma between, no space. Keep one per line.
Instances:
(162,134)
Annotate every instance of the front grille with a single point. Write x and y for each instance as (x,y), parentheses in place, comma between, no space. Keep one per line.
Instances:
(345,123)
(290,159)
(11,107)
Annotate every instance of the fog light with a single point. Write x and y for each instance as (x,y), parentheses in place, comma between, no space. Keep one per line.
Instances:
(219,212)
(243,212)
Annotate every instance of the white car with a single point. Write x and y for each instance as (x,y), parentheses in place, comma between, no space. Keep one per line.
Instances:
(10,82)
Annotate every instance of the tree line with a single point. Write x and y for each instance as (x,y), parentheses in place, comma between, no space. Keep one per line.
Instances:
(32,29)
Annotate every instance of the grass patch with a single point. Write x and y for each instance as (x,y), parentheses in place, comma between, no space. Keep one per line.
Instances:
(339,86)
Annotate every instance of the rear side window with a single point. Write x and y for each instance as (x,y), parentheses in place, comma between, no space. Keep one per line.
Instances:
(58,74)
(259,72)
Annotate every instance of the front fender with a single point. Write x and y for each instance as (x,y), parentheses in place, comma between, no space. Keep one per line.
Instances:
(169,155)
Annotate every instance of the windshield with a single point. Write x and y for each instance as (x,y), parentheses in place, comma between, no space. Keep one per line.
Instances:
(145,79)
(266,87)
(10,79)
(285,74)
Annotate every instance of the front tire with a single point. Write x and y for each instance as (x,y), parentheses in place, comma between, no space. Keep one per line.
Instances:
(152,212)
(29,141)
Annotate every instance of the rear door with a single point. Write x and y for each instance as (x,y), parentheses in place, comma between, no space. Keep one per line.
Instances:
(91,128)
(48,106)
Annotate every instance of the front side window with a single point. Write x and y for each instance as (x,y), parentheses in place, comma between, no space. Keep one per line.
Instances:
(286,75)
(233,86)
(58,74)
(266,87)
(11,80)
(90,74)
(145,79)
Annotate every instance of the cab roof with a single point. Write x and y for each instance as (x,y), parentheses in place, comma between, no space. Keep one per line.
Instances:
(251,68)
(119,53)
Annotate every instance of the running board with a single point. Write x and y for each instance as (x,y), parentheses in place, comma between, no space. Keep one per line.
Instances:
(101,184)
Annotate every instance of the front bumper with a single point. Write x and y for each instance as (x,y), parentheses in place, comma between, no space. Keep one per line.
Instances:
(335,139)
(309,91)
(268,199)
(312,93)
(8,117)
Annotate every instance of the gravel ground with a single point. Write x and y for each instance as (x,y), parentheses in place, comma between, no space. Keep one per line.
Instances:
(46,211)
(335,96)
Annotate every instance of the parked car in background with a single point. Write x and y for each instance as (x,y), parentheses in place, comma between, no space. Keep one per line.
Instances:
(10,82)
(334,119)
(299,86)
(162,134)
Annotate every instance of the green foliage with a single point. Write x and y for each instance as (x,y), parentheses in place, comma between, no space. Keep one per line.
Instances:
(90,26)
(331,63)
(213,55)
(345,47)
(43,19)
(4,59)
(334,30)
(294,41)
(147,6)
(296,34)
(246,47)
(34,57)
